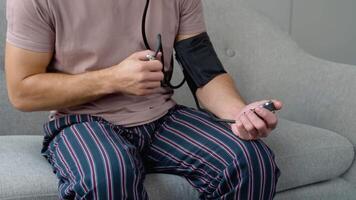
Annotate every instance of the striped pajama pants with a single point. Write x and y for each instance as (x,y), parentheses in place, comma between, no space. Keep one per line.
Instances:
(95,159)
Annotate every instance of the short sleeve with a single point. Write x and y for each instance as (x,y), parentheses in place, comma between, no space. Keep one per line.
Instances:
(29,25)
(191,17)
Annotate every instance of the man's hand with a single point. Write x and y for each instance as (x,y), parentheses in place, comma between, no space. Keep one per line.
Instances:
(136,75)
(254,122)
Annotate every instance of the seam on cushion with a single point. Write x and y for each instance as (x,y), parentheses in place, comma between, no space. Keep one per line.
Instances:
(322,128)
(311,184)
(318,127)
(311,125)
(336,147)
(29,196)
(338,174)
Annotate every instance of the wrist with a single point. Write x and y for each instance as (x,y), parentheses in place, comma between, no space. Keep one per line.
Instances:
(230,110)
(235,109)
(104,81)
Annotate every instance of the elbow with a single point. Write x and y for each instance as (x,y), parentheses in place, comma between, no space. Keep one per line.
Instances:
(21,105)
(20,101)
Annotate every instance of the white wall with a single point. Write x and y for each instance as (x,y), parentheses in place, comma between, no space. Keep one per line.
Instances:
(324,28)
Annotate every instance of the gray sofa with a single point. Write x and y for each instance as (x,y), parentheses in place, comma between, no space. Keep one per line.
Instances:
(314,143)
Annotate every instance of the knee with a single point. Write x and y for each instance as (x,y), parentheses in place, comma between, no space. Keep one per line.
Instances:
(118,183)
(114,178)
(92,187)
(257,169)
(251,173)
(258,162)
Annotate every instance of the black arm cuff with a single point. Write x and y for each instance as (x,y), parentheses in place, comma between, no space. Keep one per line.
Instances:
(199,60)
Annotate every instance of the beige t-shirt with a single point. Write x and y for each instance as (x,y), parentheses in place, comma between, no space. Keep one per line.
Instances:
(87,35)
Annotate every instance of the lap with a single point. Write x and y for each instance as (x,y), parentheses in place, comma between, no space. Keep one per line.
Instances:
(90,142)
(185,142)
(191,141)
(92,155)
(214,160)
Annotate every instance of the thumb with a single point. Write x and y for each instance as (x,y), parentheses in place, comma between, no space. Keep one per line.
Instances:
(141,55)
(278,104)
(159,56)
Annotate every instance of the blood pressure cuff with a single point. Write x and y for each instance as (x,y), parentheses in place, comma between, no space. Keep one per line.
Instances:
(199,61)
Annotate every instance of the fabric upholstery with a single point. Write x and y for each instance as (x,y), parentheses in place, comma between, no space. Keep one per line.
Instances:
(265,63)
(330,190)
(318,164)
(307,154)
(31,123)
(2,29)
(270,64)
(27,174)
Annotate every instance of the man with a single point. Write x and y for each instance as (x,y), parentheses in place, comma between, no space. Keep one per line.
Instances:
(113,121)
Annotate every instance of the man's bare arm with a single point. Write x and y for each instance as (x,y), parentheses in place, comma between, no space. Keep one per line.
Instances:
(221,97)
(31,88)
(220,89)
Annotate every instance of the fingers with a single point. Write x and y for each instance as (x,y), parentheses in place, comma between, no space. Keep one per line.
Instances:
(146,92)
(258,123)
(248,126)
(255,121)
(141,55)
(159,56)
(278,104)
(154,76)
(146,64)
(269,118)
(153,65)
(240,131)
(253,125)
(152,85)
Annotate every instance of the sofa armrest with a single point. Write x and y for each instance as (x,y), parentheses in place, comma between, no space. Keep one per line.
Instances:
(267,63)
(315,92)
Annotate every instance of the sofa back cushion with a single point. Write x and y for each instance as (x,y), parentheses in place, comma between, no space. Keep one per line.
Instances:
(13,122)
(242,40)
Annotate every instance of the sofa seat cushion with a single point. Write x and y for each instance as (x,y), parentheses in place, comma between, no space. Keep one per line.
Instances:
(307,154)
(336,189)
(25,174)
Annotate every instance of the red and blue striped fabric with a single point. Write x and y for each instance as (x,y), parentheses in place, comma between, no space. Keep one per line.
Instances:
(94,159)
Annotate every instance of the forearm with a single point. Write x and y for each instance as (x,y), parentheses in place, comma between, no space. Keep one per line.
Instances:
(51,91)
(221,97)
(31,88)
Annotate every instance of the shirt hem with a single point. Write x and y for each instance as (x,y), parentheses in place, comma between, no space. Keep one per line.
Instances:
(192,30)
